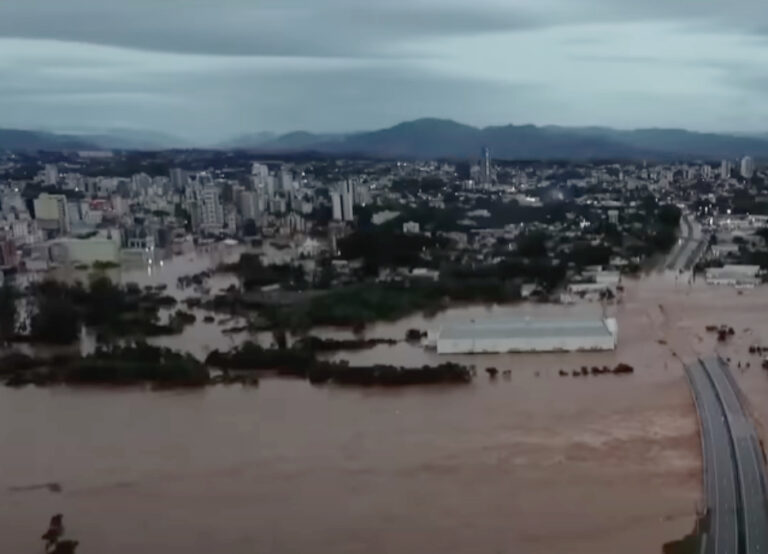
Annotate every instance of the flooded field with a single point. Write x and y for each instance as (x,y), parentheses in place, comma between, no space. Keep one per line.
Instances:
(535,463)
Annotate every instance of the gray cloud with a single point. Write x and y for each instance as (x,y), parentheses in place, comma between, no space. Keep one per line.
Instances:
(231,27)
(210,68)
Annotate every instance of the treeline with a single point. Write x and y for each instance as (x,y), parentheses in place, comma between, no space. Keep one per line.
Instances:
(57,311)
(116,365)
(302,362)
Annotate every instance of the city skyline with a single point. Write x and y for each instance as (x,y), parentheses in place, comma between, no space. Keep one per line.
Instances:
(207,71)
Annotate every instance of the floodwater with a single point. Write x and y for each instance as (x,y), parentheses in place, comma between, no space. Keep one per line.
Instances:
(536,463)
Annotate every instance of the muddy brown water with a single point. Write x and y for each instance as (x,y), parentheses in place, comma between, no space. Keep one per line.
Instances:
(537,463)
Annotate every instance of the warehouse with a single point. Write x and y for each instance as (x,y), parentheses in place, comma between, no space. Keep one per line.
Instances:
(528,335)
(739,276)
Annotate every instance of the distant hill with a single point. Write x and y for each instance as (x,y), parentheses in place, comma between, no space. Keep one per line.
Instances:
(251,140)
(293,141)
(120,138)
(88,139)
(440,138)
(432,138)
(16,139)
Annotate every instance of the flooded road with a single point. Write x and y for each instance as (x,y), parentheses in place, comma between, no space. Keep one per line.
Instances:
(537,463)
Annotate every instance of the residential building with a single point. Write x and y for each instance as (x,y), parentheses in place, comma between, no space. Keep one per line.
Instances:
(336,206)
(51,174)
(348,201)
(747,167)
(52,212)
(211,210)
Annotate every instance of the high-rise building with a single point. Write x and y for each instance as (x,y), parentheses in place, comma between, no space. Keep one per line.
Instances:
(51,174)
(348,201)
(336,205)
(141,181)
(52,212)
(269,180)
(211,211)
(725,169)
(259,171)
(362,194)
(485,166)
(178,178)
(286,181)
(249,205)
(747,167)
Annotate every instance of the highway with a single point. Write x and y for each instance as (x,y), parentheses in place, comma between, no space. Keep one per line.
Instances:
(734,472)
(719,469)
(689,246)
(749,460)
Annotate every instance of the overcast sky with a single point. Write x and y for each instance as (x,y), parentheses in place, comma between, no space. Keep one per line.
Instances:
(209,69)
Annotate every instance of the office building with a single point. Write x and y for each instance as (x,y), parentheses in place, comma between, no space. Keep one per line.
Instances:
(747,167)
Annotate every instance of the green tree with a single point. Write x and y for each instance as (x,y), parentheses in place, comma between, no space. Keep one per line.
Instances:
(533,244)
(8,312)
(56,321)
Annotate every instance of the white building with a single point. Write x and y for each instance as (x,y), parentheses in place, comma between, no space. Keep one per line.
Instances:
(739,276)
(84,251)
(11,201)
(336,204)
(249,205)
(310,247)
(725,169)
(52,212)
(348,201)
(178,178)
(411,228)
(51,174)
(528,335)
(382,217)
(295,223)
(362,194)
(747,167)
(211,210)
(286,181)
(259,172)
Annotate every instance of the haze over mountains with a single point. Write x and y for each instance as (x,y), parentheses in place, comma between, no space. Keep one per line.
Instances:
(432,138)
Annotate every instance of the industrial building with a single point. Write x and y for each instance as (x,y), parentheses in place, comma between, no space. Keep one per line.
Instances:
(528,335)
(739,276)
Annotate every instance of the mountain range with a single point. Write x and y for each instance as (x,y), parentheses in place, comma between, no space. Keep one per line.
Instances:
(433,138)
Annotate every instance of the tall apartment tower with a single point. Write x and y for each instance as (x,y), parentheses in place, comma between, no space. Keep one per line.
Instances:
(348,201)
(485,166)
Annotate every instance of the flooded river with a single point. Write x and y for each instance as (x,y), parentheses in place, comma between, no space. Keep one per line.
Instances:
(536,463)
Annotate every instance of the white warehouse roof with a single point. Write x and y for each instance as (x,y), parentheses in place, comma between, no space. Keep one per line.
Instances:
(528,335)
